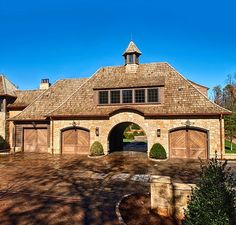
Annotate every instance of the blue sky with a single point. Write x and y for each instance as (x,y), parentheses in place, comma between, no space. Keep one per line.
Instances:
(73,38)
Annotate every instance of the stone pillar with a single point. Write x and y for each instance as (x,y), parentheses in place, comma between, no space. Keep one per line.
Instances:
(161,195)
(181,195)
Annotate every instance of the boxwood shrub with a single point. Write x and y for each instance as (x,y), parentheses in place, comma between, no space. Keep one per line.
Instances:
(213,201)
(129,135)
(157,152)
(96,149)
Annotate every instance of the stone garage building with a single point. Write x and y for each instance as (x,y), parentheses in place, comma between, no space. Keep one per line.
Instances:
(70,115)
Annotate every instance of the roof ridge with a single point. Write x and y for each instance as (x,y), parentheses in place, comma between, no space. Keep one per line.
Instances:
(75,91)
(132,48)
(29,90)
(4,84)
(213,103)
(74,78)
(5,77)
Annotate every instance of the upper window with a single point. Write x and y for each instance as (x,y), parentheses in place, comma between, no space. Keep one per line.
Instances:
(103,97)
(153,95)
(127,96)
(115,96)
(140,96)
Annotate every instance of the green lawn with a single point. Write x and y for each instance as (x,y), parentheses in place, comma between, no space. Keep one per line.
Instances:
(227,147)
(127,140)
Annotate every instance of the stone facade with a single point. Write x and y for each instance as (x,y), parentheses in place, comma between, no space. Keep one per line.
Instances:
(168,198)
(2,124)
(174,103)
(148,125)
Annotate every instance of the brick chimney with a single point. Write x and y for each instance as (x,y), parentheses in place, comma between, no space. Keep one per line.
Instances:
(44,85)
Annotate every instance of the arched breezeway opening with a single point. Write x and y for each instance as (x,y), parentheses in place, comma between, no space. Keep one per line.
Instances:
(127,136)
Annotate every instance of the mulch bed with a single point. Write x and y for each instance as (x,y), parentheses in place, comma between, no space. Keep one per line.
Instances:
(136,210)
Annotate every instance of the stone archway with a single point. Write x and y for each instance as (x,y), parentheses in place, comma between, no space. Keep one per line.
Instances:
(118,142)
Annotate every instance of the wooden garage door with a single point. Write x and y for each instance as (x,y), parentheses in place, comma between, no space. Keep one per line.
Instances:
(35,140)
(188,143)
(75,141)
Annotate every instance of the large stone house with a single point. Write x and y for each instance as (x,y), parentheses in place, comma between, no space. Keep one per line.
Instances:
(70,115)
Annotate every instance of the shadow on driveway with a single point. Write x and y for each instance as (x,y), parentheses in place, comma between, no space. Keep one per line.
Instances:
(46,189)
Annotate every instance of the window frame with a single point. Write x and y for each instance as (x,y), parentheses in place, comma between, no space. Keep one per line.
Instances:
(158,95)
(140,89)
(108,97)
(120,96)
(159,88)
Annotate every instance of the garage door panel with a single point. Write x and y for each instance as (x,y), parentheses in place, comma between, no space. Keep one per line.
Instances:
(36,140)
(188,143)
(42,137)
(178,143)
(75,141)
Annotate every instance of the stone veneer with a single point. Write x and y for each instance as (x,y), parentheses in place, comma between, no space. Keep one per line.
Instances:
(2,124)
(148,125)
(168,198)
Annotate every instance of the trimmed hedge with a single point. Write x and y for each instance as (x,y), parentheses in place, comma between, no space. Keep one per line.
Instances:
(157,152)
(96,149)
(128,135)
(3,143)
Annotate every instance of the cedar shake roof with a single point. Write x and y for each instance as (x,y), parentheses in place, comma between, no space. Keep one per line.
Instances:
(50,99)
(7,88)
(117,77)
(181,97)
(132,48)
(24,98)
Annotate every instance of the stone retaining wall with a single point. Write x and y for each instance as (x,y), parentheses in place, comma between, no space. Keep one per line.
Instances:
(169,198)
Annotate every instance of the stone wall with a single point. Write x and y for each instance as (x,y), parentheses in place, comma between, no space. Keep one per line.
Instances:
(148,125)
(2,124)
(168,198)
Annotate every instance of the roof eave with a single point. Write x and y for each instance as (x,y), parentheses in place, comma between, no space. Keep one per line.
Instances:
(145,115)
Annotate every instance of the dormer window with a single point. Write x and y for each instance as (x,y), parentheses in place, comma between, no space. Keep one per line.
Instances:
(129,96)
(152,95)
(115,97)
(103,97)
(140,96)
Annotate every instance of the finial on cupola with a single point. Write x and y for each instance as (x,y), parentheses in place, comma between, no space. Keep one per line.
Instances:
(132,54)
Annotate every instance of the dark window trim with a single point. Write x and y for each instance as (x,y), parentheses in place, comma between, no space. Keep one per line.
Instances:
(145,94)
(120,95)
(158,94)
(133,96)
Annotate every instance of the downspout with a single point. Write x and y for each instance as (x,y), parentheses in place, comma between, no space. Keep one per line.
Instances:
(221,137)
(52,134)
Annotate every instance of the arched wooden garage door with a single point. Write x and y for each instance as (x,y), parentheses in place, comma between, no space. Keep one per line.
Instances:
(75,141)
(188,143)
(36,140)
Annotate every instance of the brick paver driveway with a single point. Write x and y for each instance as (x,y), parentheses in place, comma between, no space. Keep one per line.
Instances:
(46,189)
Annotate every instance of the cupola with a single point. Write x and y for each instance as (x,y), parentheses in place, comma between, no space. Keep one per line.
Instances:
(132,54)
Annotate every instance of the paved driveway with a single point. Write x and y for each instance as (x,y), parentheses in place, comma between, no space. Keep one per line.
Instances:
(46,189)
